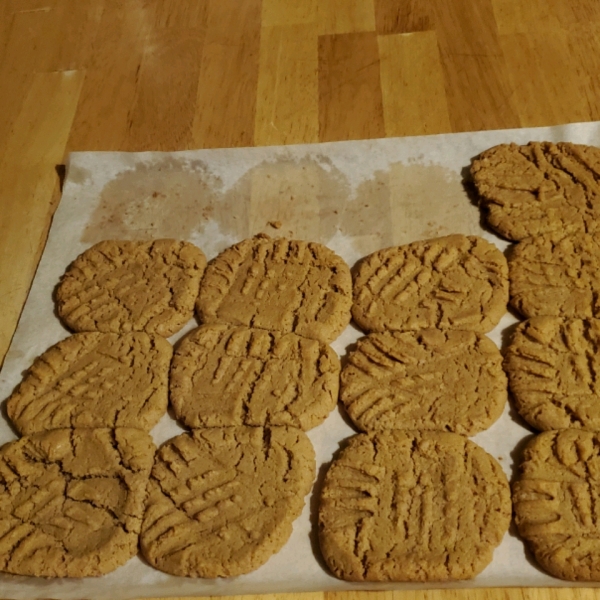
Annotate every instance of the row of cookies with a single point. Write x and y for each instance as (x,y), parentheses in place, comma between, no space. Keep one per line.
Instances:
(222,499)
(545,196)
(408,500)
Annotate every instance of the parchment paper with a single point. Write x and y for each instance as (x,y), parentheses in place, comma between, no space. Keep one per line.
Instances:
(355,197)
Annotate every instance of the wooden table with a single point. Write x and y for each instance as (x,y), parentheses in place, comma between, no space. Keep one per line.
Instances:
(177,74)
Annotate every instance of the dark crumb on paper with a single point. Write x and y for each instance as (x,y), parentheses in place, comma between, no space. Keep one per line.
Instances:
(274,224)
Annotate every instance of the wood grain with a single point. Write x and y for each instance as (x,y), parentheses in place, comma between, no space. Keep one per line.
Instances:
(226,100)
(287,109)
(403,17)
(102,120)
(179,74)
(345,16)
(27,172)
(350,104)
(412,84)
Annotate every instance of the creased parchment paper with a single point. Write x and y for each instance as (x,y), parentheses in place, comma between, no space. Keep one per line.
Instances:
(355,197)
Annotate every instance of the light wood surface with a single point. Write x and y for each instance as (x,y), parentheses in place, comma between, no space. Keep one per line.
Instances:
(177,74)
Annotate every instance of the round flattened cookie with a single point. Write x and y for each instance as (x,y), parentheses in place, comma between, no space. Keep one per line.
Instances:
(222,501)
(430,379)
(95,380)
(553,368)
(279,285)
(72,501)
(412,506)
(539,188)
(556,502)
(556,275)
(224,376)
(122,286)
(453,282)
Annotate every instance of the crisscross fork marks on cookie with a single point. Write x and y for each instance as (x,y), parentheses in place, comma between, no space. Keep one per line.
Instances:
(71,501)
(454,282)
(94,380)
(431,379)
(278,285)
(557,502)
(412,506)
(123,286)
(222,500)
(539,188)
(553,369)
(224,376)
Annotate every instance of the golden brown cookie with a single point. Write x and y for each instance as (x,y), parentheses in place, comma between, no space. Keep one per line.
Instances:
(121,286)
(95,380)
(412,506)
(72,501)
(279,285)
(430,379)
(222,501)
(453,282)
(539,188)
(556,502)
(553,367)
(556,274)
(223,376)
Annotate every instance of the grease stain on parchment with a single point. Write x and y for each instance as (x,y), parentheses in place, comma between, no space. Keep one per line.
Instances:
(309,198)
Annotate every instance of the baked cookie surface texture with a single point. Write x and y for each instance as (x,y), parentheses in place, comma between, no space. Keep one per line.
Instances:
(279,285)
(539,188)
(121,286)
(222,501)
(553,367)
(556,274)
(95,380)
(223,376)
(457,281)
(557,503)
(430,379)
(72,501)
(412,506)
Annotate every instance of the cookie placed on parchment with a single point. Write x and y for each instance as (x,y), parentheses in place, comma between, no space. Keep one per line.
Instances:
(95,380)
(280,285)
(557,502)
(72,501)
(553,368)
(412,506)
(429,379)
(222,500)
(223,376)
(119,286)
(556,274)
(452,282)
(539,188)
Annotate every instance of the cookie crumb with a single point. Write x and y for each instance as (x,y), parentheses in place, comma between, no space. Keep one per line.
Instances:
(275,224)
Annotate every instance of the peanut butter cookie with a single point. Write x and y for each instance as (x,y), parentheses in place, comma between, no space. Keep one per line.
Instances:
(123,286)
(539,188)
(95,380)
(556,274)
(222,500)
(553,367)
(279,285)
(453,282)
(430,379)
(223,376)
(72,501)
(412,506)
(557,500)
